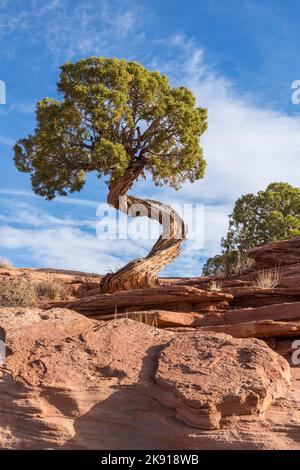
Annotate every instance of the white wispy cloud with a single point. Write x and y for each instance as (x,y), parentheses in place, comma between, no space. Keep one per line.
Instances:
(23,108)
(66,247)
(23,214)
(65,242)
(49,6)
(6,141)
(68,29)
(63,200)
(247,146)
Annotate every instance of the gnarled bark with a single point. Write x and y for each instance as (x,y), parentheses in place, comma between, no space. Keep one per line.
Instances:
(143,272)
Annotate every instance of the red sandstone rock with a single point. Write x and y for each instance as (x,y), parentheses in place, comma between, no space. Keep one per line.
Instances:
(208,377)
(258,329)
(174,298)
(158,318)
(78,284)
(283,312)
(75,382)
(258,297)
(290,276)
(70,382)
(276,254)
(242,323)
(286,348)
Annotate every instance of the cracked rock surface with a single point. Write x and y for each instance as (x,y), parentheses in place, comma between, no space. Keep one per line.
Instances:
(71,382)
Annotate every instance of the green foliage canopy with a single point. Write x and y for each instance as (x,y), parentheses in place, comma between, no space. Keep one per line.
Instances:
(257,219)
(113,112)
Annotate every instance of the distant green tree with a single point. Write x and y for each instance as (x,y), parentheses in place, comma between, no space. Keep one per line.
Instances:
(257,219)
(120,121)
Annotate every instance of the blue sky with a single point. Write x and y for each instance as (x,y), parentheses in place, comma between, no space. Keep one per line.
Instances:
(239,58)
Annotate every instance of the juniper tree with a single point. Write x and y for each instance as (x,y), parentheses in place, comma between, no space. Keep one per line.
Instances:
(121,121)
(257,219)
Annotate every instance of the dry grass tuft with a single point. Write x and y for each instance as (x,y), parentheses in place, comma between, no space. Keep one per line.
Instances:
(150,320)
(19,292)
(141,317)
(24,292)
(5,263)
(242,264)
(51,289)
(268,278)
(215,286)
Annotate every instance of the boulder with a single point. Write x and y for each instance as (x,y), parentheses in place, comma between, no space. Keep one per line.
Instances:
(14,318)
(209,376)
(70,382)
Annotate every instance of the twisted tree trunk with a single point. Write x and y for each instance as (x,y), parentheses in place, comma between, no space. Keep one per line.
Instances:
(143,272)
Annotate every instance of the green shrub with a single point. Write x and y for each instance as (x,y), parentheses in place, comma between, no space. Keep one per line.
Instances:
(257,219)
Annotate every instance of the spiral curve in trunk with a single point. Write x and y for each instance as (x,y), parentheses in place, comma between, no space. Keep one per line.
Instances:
(142,273)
